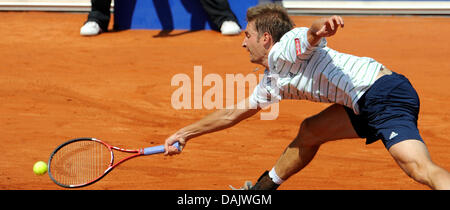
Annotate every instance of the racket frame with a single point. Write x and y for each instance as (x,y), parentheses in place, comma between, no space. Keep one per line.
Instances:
(112,165)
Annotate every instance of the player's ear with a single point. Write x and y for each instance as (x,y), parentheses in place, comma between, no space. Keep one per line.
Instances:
(265,36)
(267,39)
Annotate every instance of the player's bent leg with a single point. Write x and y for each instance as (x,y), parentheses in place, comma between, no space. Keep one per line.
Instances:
(413,157)
(332,123)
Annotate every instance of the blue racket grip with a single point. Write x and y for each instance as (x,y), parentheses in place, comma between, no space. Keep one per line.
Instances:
(158,149)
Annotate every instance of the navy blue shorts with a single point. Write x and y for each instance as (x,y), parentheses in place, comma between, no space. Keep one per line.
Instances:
(389,111)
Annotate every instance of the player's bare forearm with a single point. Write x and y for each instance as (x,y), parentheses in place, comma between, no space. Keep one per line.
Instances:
(216,121)
(324,27)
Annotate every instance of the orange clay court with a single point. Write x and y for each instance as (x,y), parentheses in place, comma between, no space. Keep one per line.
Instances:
(56,85)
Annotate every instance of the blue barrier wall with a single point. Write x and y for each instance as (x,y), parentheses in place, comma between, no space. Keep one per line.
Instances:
(170,14)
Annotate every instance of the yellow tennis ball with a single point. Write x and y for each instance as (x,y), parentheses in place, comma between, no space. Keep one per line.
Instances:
(40,168)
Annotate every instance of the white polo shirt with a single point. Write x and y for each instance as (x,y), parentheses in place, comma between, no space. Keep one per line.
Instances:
(321,74)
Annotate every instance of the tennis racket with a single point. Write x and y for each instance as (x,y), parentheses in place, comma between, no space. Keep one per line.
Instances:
(83,161)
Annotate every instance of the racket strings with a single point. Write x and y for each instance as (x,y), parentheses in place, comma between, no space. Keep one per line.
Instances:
(80,162)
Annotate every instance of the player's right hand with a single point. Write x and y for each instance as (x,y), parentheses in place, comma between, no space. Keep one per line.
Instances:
(168,145)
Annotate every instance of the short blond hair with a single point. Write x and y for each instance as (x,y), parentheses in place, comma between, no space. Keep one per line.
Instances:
(271,18)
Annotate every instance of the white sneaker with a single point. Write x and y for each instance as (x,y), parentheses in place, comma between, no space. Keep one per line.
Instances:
(91,28)
(230,28)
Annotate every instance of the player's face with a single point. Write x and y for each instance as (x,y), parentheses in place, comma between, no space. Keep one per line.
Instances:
(252,42)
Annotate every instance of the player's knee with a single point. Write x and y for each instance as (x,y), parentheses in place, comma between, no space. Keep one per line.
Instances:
(419,171)
(307,135)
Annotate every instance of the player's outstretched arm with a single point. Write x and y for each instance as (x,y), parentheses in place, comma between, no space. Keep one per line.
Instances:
(218,120)
(324,27)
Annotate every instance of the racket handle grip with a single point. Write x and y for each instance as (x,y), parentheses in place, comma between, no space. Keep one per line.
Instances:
(158,149)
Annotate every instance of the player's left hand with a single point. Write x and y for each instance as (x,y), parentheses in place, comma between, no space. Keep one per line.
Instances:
(327,27)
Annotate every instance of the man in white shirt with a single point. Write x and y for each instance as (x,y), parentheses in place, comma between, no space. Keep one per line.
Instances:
(368,100)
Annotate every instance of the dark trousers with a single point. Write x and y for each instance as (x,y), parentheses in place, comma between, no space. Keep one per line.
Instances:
(100,13)
(217,10)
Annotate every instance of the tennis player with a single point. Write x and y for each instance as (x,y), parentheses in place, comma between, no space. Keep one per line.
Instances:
(368,100)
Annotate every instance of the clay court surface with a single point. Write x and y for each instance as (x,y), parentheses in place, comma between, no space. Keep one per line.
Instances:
(56,85)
